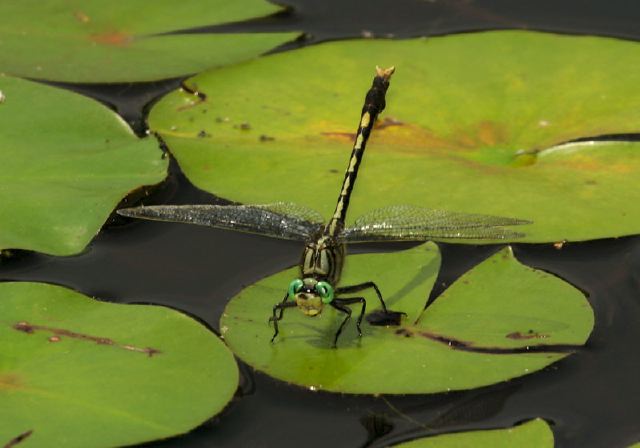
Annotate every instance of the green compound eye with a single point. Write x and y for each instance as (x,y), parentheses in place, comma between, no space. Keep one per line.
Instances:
(326,291)
(294,287)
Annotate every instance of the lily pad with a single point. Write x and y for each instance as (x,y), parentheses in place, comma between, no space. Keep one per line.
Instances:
(106,41)
(535,433)
(76,372)
(498,321)
(66,162)
(474,123)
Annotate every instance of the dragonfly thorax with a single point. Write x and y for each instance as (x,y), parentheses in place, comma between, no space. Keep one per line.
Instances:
(322,259)
(311,295)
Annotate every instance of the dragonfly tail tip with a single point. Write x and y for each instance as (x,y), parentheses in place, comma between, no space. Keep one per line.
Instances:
(385,73)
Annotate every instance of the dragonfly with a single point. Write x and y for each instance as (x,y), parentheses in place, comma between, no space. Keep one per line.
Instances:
(324,253)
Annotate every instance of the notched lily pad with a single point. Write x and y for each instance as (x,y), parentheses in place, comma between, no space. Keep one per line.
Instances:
(534,433)
(474,123)
(498,321)
(136,40)
(77,372)
(66,162)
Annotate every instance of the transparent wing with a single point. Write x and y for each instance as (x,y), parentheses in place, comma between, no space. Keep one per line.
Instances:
(410,223)
(280,220)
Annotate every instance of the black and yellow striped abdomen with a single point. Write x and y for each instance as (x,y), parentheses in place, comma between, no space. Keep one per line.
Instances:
(374,104)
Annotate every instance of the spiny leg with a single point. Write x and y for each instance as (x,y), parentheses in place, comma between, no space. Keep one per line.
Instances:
(361,287)
(339,304)
(284,300)
(385,317)
(352,300)
(279,309)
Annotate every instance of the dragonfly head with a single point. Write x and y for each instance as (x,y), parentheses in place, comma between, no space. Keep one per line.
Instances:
(310,295)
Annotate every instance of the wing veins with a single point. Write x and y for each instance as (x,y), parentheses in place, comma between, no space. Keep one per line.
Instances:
(279,220)
(410,223)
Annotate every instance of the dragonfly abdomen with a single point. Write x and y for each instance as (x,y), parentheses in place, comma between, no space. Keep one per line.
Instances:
(374,104)
(322,259)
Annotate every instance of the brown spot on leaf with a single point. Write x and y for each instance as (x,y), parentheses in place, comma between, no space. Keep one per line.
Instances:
(113,38)
(408,137)
(10,381)
(413,139)
(24,327)
(458,344)
(81,17)
(350,136)
(491,133)
(478,135)
(60,333)
(589,162)
(266,138)
(387,122)
(528,335)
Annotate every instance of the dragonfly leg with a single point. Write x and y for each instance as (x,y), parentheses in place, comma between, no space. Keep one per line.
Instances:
(278,311)
(362,287)
(284,300)
(339,304)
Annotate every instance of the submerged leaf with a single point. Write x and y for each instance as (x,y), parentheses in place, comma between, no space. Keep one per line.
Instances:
(474,123)
(75,372)
(498,321)
(66,162)
(535,433)
(136,40)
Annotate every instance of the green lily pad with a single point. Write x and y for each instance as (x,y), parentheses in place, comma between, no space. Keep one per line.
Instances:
(474,123)
(106,41)
(76,372)
(535,433)
(66,162)
(498,321)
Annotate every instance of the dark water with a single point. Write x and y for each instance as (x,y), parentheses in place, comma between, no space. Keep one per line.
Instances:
(592,399)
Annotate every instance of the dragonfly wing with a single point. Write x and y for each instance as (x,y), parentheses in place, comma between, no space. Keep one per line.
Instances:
(280,220)
(410,223)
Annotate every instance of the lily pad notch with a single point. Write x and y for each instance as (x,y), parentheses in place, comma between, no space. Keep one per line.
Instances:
(62,175)
(491,140)
(498,321)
